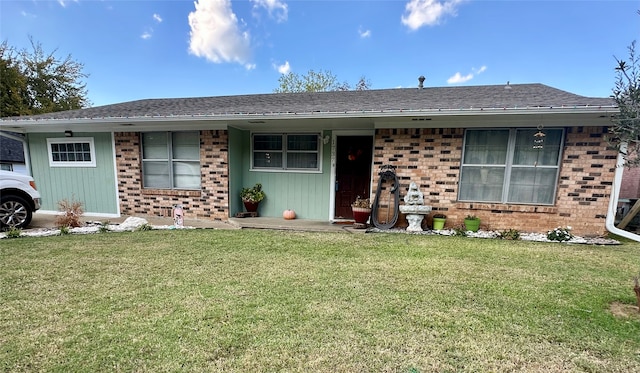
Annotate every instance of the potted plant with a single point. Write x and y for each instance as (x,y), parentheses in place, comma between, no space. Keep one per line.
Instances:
(438,221)
(251,197)
(472,223)
(361,209)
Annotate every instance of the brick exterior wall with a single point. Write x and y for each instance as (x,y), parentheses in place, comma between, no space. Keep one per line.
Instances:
(432,158)
(211,202)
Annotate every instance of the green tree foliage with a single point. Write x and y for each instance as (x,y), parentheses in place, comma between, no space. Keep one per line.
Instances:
(313,81)
(35,82)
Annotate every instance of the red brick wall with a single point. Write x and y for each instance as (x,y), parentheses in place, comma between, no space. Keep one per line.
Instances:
(210,202)
(431,158)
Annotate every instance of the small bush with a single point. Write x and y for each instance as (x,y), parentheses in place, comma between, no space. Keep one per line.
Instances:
(104,227)
(14,232)
(560,234)
(460,231)
(144,227)
(71,213)
(510,234)
(64,230)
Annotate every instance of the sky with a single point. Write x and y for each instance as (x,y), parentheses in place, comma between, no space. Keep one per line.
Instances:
(139,49)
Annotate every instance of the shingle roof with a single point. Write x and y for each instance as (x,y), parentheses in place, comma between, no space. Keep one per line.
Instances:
(520,96)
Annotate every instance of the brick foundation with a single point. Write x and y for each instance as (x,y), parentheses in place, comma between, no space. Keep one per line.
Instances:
(432,158)
(211,202)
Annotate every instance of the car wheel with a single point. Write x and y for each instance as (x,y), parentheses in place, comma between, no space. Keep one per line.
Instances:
(14,212)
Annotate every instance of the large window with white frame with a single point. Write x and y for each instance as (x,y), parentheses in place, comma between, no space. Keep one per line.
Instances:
(171,160)
(286,151)
(511,165)
(71,152)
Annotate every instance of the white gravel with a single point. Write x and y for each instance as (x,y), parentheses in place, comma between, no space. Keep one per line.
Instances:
(539,237)
(129,225)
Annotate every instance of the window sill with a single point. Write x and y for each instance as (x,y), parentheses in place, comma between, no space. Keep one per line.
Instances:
(503,207)
(172,192)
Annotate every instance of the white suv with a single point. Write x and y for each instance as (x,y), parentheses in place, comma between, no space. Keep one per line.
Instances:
(19,199)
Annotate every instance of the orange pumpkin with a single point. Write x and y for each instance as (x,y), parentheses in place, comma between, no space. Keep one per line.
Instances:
(289,214)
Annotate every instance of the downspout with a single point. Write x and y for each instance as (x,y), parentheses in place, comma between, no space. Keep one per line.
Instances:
(25,148)
(613,200)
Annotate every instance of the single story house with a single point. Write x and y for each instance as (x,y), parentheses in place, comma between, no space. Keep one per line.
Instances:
(522,156)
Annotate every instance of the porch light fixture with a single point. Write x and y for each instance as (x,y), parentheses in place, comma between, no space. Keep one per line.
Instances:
(68,133)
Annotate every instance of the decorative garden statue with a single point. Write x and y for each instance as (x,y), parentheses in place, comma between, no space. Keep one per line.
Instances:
(414,208)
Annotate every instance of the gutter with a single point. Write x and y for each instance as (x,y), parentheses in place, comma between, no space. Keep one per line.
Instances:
(613,200)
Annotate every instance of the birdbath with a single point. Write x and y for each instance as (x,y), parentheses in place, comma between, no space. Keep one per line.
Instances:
(414,208)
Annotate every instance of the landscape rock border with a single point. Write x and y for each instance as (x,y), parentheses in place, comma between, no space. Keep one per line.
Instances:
(538,237)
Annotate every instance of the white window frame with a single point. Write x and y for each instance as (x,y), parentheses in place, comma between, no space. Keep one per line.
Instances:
(71,140)
(509,166)
(284,152)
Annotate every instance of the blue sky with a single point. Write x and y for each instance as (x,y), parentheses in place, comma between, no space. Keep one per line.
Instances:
(190,48)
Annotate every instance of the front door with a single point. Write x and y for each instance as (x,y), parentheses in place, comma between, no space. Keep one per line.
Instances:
(354,155)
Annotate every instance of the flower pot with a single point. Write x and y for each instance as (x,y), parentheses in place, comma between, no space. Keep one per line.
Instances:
(251,206)
(438,223)
(361,214)
(472,224)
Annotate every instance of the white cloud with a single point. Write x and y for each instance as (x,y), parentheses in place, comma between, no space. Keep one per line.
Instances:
(63,3)
(276,8)
(215,34)
(364,33)
(459,78)
(284,68)
(146,35)
(157,17)
(420,13)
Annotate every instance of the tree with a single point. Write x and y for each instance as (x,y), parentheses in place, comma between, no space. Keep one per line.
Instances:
(35,82)
(626,129)
(13,94)
(320,81)
(626,94)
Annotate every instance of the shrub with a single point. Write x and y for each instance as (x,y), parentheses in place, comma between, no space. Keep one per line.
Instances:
(71,213)
(459,231)
(144,228)
(14,232)
(104,227)
(560,234)
(510,234)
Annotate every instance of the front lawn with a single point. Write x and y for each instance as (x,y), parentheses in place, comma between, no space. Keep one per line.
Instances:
(267,301)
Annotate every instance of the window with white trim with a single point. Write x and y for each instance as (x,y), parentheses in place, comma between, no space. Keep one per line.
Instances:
(171,160)
(71,152)
(286,151)
(511,165)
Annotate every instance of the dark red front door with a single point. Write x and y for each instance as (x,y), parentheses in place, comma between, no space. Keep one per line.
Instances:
(353,172)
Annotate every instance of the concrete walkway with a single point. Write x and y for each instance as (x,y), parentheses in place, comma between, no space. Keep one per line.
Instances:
(47,221)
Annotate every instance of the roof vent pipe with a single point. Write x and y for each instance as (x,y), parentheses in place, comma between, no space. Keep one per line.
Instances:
(421,80)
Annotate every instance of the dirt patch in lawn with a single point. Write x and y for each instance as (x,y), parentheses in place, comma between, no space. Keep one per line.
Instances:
(626,311)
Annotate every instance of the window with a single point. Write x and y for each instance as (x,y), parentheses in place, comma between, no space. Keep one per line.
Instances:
(6,167)
(293,152)
(510,165)
(171,160)
(71,152)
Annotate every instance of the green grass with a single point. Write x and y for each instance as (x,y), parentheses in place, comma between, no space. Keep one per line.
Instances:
(267,301)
